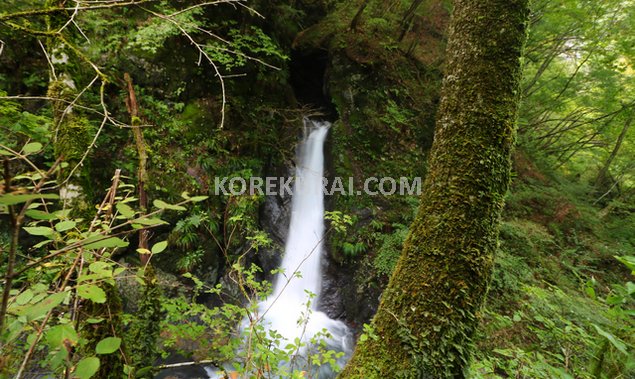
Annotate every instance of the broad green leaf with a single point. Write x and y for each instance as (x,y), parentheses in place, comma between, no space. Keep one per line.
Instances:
(43,243)
(86,368)
(149,221)
(103,242)
(143,251)
(197,199)
(65,225)
(39,309)
(100,267)
(40,215)
(628,260)
(57,335)
(39,231)
(10,199)
(163,205)
(31,148)
(108,345)
(619,345)
(159,247)
(125,210)
(91,292)
(24,297)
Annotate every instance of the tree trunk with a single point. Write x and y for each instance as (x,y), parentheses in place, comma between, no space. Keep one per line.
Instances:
(142,172)
(406,21)
(358,15)
(602,182)
(430,309)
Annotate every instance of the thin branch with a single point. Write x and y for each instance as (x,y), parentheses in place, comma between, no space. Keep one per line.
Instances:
(202,53)
(49,11)
(94,141)
(48,59)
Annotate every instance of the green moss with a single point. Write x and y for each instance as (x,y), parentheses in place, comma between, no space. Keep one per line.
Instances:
(144,331)
(430,310)
(111,365)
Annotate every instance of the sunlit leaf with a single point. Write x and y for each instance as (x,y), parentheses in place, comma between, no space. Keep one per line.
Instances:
(86,368)
(159,247)
(39,231)
(60,335)
(125,210)
(163,205)
(91,292)
(31,148)
(104,242)
(40,215)
(35,311)
(10,199)
(108,345)
(65,225)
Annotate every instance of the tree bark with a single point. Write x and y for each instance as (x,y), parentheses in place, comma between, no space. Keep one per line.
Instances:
(430,309)
(142,172)
(358,15)
(602,181)
(406,21)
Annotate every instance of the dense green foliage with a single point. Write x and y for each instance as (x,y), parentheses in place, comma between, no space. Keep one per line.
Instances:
(221,88)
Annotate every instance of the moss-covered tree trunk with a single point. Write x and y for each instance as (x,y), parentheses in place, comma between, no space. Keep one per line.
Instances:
(430,309)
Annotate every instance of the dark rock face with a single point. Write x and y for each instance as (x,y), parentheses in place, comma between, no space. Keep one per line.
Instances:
(275,215)
(342,298)
(186,372)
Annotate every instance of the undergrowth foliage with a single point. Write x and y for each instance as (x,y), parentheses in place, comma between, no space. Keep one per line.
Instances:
(60,309)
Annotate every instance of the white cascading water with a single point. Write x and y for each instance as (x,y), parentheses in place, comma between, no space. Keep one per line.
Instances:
(301,264)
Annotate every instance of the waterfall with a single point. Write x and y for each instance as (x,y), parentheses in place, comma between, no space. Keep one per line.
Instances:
(285,310)
(301,264)
(303,250)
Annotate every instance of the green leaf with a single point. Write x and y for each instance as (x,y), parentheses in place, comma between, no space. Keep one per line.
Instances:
(41,308)
(125,210)
(57,335)
(40,215)
(619,345)
(86,368)
(43,243)
(91,292)
(31,148)
(628,260)
(108,345)
(163,205)
(103,242)
(197,199)
(149,221)
(9,199)
(159,247)
(100,267)
(39,231)
(65,225)
(24,297)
